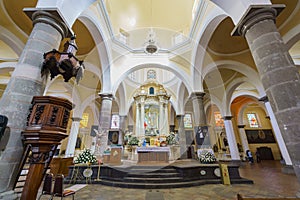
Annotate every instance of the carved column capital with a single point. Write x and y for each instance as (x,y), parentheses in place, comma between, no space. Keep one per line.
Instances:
(255,14)
(179,116)
(51,17)
(76,119)
(241,126)
(264,99)
(197,95)
(106,96)
(227,117)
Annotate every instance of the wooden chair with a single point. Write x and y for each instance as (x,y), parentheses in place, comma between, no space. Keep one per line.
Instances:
(47,187)
(58,190)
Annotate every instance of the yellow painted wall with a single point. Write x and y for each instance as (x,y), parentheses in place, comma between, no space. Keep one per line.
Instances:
(264,124)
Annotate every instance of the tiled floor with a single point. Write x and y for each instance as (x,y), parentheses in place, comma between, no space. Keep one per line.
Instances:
(267,177)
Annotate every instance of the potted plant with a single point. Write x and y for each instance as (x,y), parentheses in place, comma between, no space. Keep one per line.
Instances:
(171,139)
(133,141)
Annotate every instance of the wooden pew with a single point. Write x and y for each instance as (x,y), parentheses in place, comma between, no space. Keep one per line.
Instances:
(239,197)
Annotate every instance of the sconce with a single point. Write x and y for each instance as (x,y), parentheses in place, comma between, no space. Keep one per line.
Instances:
(64,63)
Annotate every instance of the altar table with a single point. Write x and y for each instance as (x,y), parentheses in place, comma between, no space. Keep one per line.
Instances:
(153,154)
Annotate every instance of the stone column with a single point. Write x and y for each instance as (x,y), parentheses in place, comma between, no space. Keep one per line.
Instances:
(166,119)
(200,119)
(142,120)
(73,136)
(243,138)
(278,74)
(161,117)
(122,128)
(278,135)
(104,121)
(171,116)
(182,137)
(130,127)
(137,119)
(26,82)
(130,121)
(123,119)
(198,107)
(234,152)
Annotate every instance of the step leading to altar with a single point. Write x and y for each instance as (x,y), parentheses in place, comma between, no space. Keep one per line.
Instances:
(181,173)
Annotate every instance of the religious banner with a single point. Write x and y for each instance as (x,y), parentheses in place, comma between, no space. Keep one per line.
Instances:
(94,130)
(225,174)
(200,132)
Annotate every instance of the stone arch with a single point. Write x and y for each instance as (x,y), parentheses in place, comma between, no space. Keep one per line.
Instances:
(100,39)
(200,53)
(11,40)
(123,106)
(165,65)
(8,65)
(240,119)
(214,101)
(242,68)
(208,107)
(229,91)
(292,37)
(90,100)
(180,104)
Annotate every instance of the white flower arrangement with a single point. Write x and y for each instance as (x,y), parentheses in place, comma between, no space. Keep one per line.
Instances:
(86,157)
(207,157)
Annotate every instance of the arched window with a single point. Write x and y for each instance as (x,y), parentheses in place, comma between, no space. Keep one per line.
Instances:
(252,119)
(187,121)
(151,74)
(151,90)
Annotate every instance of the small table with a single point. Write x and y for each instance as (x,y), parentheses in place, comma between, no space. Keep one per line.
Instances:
(153,154)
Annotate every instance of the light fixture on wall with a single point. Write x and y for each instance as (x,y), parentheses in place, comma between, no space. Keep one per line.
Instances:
(64,63)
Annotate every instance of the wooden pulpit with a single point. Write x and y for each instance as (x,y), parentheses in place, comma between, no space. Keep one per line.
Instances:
(47,124)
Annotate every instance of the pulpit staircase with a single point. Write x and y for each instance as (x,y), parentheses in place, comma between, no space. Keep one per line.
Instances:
(24,169)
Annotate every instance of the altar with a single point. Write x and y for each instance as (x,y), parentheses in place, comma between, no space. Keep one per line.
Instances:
(153,154)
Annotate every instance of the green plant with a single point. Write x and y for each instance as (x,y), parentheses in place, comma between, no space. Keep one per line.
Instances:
(86,157)
(171,139)
(133,141)
(207,157)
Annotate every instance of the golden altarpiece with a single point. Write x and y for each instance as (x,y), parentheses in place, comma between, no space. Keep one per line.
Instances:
(152,124)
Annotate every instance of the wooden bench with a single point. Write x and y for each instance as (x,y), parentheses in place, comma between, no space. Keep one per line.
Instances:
(239,197)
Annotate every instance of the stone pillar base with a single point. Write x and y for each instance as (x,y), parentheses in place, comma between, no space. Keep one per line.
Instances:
(298,194)
(8,195)
(287,169)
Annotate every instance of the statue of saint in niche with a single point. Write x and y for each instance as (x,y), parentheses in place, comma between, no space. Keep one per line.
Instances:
(151,117)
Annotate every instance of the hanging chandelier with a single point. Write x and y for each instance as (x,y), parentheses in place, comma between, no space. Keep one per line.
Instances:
(151,46)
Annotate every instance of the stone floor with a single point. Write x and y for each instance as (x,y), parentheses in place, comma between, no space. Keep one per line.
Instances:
(267,177)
